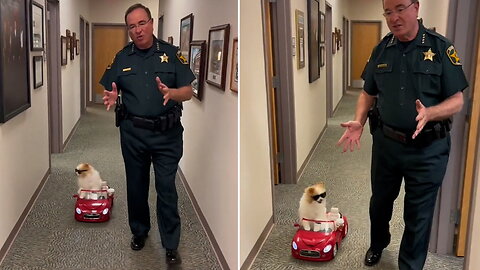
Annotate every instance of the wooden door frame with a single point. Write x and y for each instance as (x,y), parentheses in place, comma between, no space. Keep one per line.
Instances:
(94,26)
(269,29)
(86,51)
(470,114)
(346,48)
(459,31)
(54,77)
(285,98)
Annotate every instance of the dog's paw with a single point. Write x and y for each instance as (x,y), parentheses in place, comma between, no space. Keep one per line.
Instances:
(316,227)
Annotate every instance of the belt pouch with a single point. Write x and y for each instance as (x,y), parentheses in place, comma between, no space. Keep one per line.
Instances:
(143,123)
(163,123)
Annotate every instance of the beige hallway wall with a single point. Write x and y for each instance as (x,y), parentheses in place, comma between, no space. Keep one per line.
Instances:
(70,11)
(255,177)
(24,153)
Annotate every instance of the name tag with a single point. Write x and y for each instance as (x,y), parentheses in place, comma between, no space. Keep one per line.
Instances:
(382,65)
(126,69)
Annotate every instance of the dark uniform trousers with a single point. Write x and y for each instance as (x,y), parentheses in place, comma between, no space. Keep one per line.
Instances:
(423,170)
(140,148)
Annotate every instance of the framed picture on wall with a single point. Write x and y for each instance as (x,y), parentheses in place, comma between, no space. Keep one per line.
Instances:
(186,33)
(197,65)
(37,27)
(73,44)
(68,35)
(322,27)
(334,42)
(218,37)
(313,41)
(63,49)
(300,29)
(322,55)
(14,63)
(234,70)
(37,71)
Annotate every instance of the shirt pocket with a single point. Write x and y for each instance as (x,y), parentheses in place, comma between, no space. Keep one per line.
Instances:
(383,75)
(428,77)
(126,77)
(166,73)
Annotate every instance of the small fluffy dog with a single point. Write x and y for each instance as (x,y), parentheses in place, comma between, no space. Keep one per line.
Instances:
(313,205)
(88,178)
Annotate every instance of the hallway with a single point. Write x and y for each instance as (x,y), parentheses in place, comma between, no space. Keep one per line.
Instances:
(51,238)
(347,180)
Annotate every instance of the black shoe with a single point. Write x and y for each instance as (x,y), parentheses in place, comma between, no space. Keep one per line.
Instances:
(138,242)
(372,258)
(172,257)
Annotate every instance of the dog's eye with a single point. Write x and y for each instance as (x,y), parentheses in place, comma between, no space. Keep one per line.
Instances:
(316,197)
(323,195)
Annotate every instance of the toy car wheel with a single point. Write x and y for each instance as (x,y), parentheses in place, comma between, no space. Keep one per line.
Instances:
(335,250)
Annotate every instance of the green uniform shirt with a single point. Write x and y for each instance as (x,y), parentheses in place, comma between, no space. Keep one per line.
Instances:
(427,69)
(134,71)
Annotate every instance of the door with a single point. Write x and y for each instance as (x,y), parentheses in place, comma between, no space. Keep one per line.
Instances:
(471,160)
(269,34)
(86,50)
(54,77)
(107,41)
(83,92)
(329,60)
(345,56)
(365,36)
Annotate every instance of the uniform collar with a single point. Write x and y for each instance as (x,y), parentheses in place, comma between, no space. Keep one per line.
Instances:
(421,39)
(155,45)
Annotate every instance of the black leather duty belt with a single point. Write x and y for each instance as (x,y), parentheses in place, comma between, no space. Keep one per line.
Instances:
(430,133)
(160,123)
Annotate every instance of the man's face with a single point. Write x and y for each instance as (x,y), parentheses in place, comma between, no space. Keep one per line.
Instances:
(401,17)
(140,28)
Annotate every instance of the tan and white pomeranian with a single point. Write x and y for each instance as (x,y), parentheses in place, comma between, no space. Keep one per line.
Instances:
(313,205)
(88,178)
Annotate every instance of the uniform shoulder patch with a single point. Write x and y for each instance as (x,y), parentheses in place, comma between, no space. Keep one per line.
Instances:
(181,58)
(452,55)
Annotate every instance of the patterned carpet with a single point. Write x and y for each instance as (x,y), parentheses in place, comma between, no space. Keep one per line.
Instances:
(347,180)
(52,239)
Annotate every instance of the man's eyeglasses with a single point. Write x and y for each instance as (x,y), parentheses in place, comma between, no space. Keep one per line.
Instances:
(141,24)
(399,10)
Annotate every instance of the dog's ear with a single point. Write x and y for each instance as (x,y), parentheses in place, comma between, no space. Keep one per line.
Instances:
(310,190)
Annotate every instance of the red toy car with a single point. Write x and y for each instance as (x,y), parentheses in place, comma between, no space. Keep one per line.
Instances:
(321,245)
(95,206)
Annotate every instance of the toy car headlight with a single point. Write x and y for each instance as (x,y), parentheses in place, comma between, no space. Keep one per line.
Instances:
(294,245)
(327,248)
(78,210)
(105,211)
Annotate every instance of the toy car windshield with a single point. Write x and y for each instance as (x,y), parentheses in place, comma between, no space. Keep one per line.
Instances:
(93,194)
(326,226)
